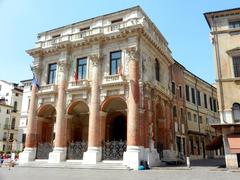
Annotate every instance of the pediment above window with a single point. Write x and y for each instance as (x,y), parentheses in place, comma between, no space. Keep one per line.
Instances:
(234,51)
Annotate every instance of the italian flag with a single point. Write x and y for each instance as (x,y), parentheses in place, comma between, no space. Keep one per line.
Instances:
(74,70)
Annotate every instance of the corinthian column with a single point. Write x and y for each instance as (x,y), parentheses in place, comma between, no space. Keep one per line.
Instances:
(60,147)
(132,155)
(93,153)
(29,152)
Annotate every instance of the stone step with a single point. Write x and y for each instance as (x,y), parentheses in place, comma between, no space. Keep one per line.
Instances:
(67,165)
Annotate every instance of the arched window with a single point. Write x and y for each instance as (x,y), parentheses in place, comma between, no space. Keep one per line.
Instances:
(157,70)
(236,112)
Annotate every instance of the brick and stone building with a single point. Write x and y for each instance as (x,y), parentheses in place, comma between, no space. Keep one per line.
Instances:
(106,93)
(225,36)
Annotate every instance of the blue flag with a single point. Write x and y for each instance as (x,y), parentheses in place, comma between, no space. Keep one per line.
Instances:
(34,80)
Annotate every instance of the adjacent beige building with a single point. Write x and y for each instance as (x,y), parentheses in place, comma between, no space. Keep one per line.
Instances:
(225,37)
(201,112)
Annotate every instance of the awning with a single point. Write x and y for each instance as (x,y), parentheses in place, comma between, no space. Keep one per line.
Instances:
(216,143)
(234,143)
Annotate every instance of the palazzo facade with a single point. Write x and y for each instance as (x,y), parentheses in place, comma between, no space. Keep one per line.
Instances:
(98,86)
(106,93)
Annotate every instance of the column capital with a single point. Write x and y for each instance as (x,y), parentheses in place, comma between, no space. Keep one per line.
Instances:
(133,53)
(37,69)
(95,58)
(63,64)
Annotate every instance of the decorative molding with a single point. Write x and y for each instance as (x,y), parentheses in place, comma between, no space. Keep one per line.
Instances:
(63,65)
(133,53)
(95,58)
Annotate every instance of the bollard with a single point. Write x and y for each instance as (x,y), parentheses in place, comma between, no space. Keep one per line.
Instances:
(188,162)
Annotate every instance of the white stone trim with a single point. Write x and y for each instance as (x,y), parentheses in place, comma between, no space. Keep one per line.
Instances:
(29,154)
(58,155)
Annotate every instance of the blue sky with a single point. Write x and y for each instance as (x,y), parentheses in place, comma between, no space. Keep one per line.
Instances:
(180,21)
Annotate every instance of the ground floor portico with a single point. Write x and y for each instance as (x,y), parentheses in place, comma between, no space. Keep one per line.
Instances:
(112,135)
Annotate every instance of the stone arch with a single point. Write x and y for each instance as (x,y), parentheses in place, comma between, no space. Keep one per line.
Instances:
(45,129)
(114,127)
(77,129)
(73,106)
(108,100)
(46,110)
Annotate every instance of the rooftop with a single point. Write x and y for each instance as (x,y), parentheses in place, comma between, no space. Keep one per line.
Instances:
(227,12)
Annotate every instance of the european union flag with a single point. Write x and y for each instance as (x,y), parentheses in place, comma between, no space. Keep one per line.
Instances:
(34,80)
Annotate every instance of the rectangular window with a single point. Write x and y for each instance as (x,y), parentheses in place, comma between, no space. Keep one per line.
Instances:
(200,119)
(236,66)
(199,98)
(210,101)
(187,93)
(116,24)
(11,136)
(214,105)
(193,95)
(82,68)
(115,62)
(205,101)
(13,123)
(52,68)
(85,28)
(174,111)
(195,117)
(173,88)
(180,91)
(234,24)
(189,116)
(23,138)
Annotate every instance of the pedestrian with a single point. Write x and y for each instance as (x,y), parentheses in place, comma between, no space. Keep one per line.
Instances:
(1,159)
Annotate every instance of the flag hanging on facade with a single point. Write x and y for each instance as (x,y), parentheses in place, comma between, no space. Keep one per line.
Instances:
(75,74)
(120,70)
(34,80)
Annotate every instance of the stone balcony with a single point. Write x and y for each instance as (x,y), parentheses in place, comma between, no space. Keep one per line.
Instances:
(159,86)
(113,80)
(49,88)
(80,84)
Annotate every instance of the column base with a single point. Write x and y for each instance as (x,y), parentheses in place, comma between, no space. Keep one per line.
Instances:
(132,157)
(152,157)
(58,155)
(231,161)
(29,154)
(92,156)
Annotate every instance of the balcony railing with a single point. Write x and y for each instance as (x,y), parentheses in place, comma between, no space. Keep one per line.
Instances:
(83,83)
(48,88)
(113,78)
(95,31)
